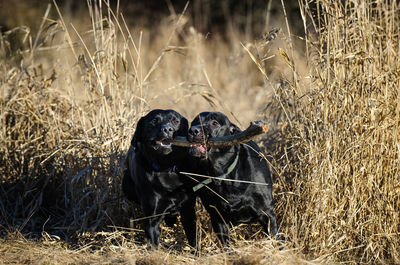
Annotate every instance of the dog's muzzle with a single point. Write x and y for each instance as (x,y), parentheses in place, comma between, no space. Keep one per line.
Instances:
(197,137)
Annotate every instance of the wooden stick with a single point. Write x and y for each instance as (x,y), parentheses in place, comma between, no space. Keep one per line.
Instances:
(256,128)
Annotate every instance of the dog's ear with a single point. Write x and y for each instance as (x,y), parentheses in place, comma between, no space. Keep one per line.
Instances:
(138,135)
(184,127)
(233,129)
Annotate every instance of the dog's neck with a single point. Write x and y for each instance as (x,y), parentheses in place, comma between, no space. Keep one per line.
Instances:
(222,159)
(159,162)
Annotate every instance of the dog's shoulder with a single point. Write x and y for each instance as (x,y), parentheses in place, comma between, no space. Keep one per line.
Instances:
(255,158)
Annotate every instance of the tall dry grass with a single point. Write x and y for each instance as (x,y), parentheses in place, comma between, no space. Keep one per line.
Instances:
(71,98)
(337,147)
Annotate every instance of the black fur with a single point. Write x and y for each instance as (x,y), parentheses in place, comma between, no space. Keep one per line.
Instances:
(247,203)
(151,179)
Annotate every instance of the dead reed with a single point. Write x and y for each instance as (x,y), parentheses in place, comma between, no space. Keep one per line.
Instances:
(70,99)
(336,149)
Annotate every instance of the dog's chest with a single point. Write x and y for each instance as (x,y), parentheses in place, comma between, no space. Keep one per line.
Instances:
(165,181)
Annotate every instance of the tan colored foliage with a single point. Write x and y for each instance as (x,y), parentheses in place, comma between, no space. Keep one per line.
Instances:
(70,100)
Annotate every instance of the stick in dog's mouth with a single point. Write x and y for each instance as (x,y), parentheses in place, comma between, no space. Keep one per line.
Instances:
(255,129)
(164,143)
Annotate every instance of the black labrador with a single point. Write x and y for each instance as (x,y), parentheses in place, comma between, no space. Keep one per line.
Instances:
(151,179)
(230,202)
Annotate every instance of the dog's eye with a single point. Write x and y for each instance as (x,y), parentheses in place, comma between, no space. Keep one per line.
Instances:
(175,121)
(155,121)
(214,123)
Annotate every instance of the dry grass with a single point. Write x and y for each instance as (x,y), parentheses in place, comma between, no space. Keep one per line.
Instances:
(338,156)
(50,250)
(70,100)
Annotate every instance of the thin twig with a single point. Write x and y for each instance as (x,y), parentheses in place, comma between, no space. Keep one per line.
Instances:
(224,179)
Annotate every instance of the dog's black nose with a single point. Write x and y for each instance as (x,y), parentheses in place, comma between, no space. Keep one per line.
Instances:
(167,129)
(194,130)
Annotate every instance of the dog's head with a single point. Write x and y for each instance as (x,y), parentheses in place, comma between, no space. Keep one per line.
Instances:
(208,125)
(158,126)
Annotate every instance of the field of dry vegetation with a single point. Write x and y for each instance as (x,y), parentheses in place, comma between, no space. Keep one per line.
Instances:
(72,93)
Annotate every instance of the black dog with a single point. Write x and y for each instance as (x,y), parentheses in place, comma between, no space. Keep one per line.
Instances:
(230,202)
(150,177)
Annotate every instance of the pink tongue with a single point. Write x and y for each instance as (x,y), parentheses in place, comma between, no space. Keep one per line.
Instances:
(202,148)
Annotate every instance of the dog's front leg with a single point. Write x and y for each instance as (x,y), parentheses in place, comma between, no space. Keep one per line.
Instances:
(222,232)
(152,230)
(155,209)
(219,225)
(188,219)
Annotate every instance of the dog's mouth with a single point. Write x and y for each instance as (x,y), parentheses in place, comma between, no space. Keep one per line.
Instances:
(198,147)
(198,150)
(162,144)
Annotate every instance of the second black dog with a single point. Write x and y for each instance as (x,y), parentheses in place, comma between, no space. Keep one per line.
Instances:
(151,179)
(234,201)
